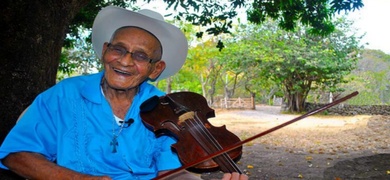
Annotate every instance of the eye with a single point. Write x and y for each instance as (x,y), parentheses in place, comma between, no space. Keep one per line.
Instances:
(139,56)
(118,49)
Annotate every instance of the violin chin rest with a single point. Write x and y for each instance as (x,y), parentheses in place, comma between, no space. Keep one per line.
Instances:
(149,104)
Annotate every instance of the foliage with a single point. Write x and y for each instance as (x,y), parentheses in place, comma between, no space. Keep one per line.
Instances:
(264,60)
(202,63)
(317,14)
(239,62)
(188,78)
(299,61)
(80,60)
(313,63)
(84,19)
(78,39)
(371,79)
(217,15)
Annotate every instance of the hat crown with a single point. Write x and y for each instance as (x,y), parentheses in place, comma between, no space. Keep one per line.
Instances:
(151,14)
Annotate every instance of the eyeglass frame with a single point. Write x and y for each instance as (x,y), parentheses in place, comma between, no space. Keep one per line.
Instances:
(123,54)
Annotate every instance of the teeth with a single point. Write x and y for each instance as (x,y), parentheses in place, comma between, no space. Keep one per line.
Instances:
(119,71)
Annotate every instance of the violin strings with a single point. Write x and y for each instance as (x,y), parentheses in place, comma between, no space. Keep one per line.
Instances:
(206,146)
(210,138)
(202,135)
(224,155)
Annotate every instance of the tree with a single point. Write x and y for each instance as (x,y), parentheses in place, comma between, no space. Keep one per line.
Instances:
(244,52)
(371,78)
(316,14)
(296,61)
(203,65)
(32,37)
(304,62)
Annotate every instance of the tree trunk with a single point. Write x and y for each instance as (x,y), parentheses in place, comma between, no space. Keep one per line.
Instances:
(211,91)
(168,88)
(253,97)
(31,41)
(295,102)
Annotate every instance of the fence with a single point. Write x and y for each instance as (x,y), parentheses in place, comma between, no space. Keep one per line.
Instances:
(345,109)
(236,103)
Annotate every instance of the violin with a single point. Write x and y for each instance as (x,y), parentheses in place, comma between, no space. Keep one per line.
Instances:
(184,115)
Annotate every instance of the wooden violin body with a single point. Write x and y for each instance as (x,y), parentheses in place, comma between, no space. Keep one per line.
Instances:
(184,115)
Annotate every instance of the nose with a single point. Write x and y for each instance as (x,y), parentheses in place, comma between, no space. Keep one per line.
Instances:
(126,60)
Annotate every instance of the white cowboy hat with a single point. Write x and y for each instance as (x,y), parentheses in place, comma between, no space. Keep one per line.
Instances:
(173,41)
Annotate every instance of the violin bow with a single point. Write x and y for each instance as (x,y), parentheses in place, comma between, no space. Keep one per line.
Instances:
(236,145)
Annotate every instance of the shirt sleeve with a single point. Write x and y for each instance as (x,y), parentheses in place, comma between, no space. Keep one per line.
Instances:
(166,159)
(33,132)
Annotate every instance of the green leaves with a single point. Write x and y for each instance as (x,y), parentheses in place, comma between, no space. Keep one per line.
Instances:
(346,5)
(299,60)
(216,16)
(316,14)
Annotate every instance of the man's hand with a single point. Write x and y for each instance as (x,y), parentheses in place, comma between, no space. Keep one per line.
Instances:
(234,176)
(36,166)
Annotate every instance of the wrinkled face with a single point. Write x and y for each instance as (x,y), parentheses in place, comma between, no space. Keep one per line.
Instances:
(127,72)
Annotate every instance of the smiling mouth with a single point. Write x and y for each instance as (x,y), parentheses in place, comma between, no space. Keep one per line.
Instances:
(121,72)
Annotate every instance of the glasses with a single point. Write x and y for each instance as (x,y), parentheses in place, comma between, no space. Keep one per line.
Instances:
(118,52)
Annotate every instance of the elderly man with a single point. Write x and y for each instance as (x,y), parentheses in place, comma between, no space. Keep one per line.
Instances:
(89,127)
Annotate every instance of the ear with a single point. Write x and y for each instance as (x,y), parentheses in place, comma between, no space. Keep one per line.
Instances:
(104,49)
(157,70)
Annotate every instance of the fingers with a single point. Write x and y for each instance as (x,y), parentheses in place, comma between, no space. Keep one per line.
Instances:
(234,176)
(226,176)
(243,177)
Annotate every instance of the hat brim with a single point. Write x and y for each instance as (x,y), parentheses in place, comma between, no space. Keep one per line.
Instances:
(173,41)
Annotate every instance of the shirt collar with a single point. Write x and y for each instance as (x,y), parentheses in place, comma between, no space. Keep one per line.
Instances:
(91,89)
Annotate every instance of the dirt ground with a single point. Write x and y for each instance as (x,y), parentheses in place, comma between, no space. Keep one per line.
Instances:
(317,147)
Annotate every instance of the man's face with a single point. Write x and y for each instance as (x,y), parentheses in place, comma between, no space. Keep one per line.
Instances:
(126,72)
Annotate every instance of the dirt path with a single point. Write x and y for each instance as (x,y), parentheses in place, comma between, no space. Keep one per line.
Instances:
(317,147)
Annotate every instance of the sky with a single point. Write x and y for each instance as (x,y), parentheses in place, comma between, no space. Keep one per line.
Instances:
(371,19)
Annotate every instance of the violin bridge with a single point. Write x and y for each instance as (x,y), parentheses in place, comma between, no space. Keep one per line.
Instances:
(185,116)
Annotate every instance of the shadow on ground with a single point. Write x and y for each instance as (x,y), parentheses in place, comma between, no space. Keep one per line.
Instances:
(368,167)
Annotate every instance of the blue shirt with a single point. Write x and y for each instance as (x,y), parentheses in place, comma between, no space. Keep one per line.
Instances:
(72,123)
